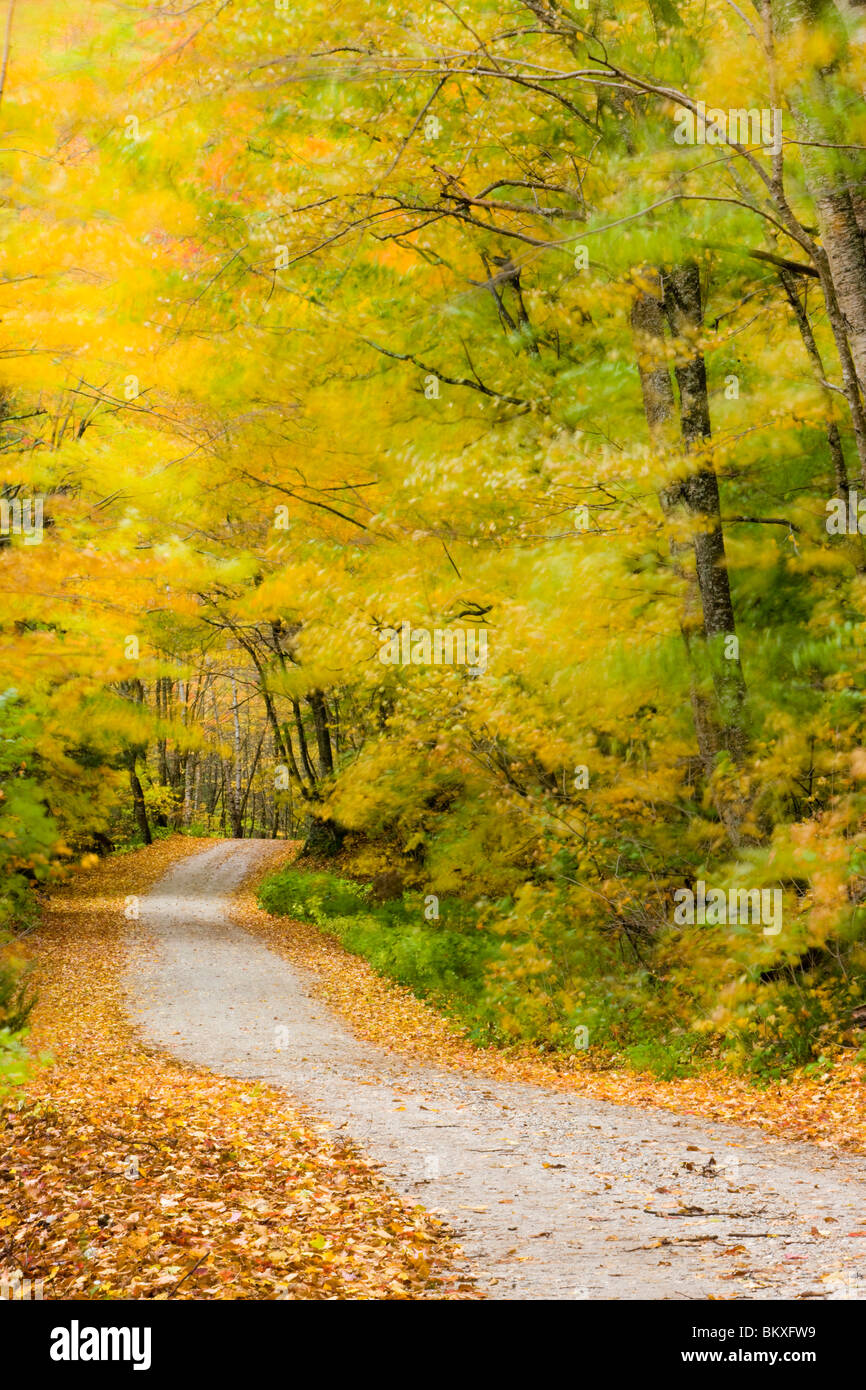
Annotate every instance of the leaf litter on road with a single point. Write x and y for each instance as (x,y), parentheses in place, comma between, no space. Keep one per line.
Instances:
(127,1174)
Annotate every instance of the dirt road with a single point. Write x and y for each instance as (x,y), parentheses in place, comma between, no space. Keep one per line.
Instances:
(552,1195)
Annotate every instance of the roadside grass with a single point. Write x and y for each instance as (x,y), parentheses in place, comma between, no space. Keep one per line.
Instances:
(418,989)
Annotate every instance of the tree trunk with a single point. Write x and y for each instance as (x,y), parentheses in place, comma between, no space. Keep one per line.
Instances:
(190,774)
(700,492)
(302,744)
(659,406)
(834,176)
(834,439)
(138,806)
(317,704)
(843,243)
(234,782)
(322,837)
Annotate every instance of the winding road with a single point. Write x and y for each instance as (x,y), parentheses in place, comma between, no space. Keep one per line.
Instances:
(551,1195)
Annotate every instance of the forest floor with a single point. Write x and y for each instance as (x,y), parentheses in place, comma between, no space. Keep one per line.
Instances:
(552,1191)
(126,1174)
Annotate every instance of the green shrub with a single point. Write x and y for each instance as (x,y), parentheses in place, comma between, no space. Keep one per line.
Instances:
(536,968)
(15,1006)
(443,960)
(311,897)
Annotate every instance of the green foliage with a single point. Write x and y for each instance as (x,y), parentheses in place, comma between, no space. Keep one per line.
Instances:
(161,801)
(28,833)
(15,1006)
(440,960)
(540,966)
(15,1065)
(311,897)
(15,1001)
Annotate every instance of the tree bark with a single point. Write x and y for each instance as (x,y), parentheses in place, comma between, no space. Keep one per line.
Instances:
(700,493)
(834,439)
(317,704)
(835,178)
(302,744)
(712,725)
(234,782)
(138,805)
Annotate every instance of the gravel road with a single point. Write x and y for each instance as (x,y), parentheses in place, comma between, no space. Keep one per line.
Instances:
(551,1195)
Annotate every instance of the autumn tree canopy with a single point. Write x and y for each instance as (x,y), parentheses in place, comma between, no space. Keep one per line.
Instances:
(340,341)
